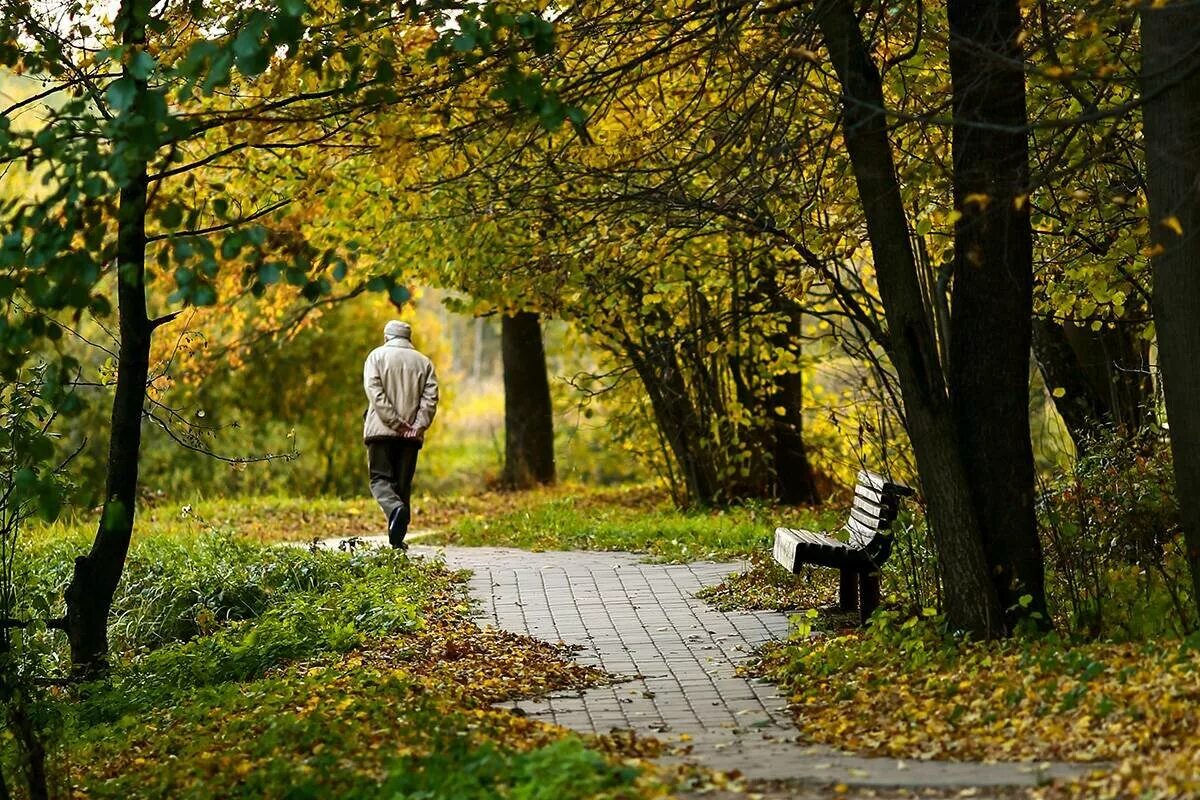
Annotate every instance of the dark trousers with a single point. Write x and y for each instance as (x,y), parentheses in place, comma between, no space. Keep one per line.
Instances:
(392,463)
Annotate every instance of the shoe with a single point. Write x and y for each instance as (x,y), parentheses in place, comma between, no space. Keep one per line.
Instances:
(398,525)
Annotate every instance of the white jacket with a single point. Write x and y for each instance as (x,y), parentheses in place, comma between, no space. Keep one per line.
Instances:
(402,392)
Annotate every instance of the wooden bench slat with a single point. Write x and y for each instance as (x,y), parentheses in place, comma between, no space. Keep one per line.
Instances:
(872,495)
(871,507)
(869,521)
(880,483)
(861,534)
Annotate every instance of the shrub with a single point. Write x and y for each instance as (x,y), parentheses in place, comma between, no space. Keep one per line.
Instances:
(1113,542)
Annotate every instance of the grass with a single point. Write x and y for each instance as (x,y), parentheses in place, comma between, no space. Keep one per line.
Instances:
(247,670)
(636,518)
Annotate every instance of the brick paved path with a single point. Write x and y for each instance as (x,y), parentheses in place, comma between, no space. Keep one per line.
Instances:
(641,621)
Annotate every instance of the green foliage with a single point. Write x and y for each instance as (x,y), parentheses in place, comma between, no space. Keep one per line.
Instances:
(1113,542)
(564,770)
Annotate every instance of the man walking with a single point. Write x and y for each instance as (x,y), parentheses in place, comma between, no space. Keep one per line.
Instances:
(402,397)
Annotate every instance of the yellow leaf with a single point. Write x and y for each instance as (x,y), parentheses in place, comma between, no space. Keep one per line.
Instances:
(980,199)
(1172,222)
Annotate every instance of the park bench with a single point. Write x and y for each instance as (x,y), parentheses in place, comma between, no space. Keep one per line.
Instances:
(858,550)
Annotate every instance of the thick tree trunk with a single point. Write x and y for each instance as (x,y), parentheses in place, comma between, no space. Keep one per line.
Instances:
(528,413)
(90,594)
(992,298)
(971,600)
(1171,91)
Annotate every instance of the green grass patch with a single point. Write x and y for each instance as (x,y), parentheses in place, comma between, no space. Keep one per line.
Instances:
(634,519)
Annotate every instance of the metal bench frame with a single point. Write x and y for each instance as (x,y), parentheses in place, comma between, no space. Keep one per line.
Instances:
(858,550)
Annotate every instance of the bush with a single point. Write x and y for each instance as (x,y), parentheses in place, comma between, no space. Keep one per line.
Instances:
(1113,542)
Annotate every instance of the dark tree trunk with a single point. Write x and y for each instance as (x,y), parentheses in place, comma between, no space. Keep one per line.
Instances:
(1119,358)
(992,298)
(795,482)
(1171,90)
(90,594)
(528,413)
(971,600)
(33,751)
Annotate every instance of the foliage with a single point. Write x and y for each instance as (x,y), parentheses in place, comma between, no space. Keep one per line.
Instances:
(564,769)
(1113,542)
(907,689)
(31,483)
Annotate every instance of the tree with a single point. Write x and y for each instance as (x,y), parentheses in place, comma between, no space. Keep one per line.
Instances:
(1171,109)
(992,300)
(528,413)
(972,602)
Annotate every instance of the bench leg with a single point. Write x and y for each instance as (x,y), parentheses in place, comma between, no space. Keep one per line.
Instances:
(870,595)
(848,590)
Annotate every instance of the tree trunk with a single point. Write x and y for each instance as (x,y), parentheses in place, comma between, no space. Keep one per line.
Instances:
(1102,377)
(971,600)
(528,413)
(1171,92)
(32,750)
(992,298)
(90,594)
(1125,375)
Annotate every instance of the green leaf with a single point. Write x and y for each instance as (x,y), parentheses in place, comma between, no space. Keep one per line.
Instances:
(269,273)
(141,65)
(204,295)
(171,217)
(121,93)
